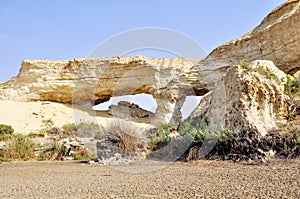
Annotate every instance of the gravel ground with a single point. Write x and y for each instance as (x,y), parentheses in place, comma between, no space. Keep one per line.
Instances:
(204,179)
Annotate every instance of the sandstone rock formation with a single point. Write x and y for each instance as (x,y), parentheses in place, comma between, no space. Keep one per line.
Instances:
(277,38)
(92,81)
(130,111)
(87,82)
(247,98)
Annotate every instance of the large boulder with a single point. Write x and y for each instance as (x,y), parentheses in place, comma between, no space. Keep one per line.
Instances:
(129,111)
(247,98)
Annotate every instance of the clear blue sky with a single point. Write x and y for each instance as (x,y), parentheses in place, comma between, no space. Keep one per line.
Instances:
(64,29)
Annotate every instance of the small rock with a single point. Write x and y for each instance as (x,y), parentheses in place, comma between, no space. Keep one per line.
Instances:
(74,144)
(110,161)
(118,156)
(91,162)
(67,158)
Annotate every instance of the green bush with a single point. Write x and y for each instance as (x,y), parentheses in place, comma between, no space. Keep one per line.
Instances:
(4,160)
(267,72)
(219,134)
(6,129)
(260,69)
(159,136)
(85,157)
(292,89)
(19,147)
(41,159)
(292,86)
(244,64)
(5,137)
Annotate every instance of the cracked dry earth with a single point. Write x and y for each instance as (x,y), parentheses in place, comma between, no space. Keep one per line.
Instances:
(202,179)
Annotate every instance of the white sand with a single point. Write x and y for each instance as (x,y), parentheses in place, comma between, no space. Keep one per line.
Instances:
(26,117)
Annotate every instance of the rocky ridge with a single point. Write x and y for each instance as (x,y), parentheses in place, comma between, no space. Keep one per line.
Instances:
(277,38)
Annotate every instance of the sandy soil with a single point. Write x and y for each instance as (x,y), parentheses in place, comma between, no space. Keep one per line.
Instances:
(26,117)
(205,179)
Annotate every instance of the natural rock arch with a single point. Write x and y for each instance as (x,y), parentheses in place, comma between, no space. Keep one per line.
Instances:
(87,82)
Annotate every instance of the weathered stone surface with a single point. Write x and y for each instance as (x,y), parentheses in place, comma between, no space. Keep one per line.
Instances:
(277,38)
(130,111)
(246,99)
(91,81)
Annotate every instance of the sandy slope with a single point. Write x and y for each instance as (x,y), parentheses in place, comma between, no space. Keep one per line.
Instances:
(27,117)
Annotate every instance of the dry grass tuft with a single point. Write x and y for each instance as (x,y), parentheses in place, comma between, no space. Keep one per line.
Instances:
(125,136)
(19,147)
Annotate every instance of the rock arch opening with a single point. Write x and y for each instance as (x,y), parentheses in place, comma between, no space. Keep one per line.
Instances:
(189,105)
(138,107)
(145,101)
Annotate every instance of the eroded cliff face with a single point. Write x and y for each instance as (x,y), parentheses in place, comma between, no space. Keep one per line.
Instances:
(247,99)
(277,38)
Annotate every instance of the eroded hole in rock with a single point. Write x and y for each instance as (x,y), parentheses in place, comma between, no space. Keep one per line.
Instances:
(189,105)
(139,107)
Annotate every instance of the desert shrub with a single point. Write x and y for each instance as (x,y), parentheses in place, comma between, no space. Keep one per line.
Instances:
(69,129)
(212,140)
(84,154)
(125,136)
(159,136)
(19,147)
(47,123)
(55,151)
(187,125)
(209,141)
(244,64)
(99,135)
(5,137)
(39,134)
(4,160)
(40,158)
(84,129)
(292,86)
(227,144)
(267,72)
(54,131)
(79,157)
(219,134)
(6,129)
(292,89)
(260,69)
